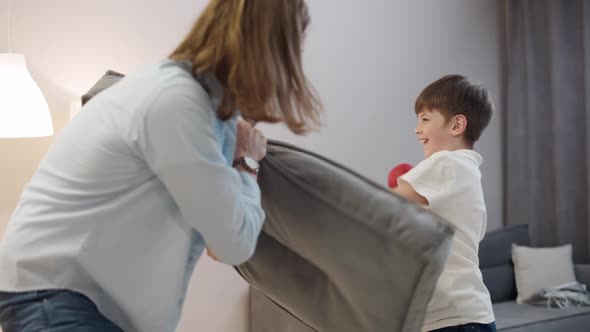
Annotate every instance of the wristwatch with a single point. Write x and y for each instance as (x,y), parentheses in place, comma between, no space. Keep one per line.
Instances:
(250,165)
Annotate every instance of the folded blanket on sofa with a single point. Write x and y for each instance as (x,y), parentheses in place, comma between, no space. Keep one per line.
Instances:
(572,294)
(339,252)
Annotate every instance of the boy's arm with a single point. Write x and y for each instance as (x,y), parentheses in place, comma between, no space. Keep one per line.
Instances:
(406,191)
(431,182)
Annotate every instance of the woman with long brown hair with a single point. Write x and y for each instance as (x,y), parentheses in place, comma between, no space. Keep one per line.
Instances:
(151,172)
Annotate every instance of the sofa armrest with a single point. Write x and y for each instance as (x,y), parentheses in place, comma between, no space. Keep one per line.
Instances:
(583,273)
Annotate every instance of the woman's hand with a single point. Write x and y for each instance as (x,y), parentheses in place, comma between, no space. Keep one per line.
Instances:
(249,142)
(211,254)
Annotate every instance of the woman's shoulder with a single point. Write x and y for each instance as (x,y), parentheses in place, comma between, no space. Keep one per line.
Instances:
(170,74)
(169,81)
(161,76)
(166,92)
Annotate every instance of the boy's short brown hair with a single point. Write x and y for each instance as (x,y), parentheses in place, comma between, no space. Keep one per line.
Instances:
(453,95)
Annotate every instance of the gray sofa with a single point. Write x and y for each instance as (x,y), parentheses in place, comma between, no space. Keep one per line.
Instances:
(495,261)
(497,269)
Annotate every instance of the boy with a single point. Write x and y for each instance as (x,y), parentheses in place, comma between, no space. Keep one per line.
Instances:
(452,113)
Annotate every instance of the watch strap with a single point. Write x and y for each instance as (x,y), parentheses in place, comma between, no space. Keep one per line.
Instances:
(242,162)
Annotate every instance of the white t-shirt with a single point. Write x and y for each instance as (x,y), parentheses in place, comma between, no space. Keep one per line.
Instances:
(451,182)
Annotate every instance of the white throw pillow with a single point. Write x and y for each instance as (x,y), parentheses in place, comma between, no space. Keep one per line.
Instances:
(537,268)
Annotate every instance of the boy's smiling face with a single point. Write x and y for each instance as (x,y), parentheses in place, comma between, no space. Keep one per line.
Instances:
(434,132)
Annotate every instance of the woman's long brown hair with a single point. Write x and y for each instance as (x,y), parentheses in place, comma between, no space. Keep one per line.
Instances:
(254,49)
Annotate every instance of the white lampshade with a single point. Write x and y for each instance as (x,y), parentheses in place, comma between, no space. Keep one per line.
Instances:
(23,109)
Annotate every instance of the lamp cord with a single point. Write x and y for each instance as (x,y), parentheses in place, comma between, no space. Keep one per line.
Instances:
(9,21)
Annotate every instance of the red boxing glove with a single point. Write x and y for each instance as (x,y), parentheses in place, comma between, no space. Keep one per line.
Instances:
(396,172)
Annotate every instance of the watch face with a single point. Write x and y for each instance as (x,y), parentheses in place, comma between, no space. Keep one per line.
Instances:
(251,163)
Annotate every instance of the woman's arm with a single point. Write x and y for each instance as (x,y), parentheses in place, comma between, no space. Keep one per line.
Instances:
(177,137)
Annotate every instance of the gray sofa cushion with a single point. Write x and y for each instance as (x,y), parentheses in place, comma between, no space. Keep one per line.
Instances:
(267,316)
(513,317)
(109,78)
(339,252)
(495,260)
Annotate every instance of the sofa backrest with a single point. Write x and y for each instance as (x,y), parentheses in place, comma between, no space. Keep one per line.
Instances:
(495,260)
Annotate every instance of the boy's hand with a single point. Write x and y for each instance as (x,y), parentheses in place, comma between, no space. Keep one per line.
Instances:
(396,172)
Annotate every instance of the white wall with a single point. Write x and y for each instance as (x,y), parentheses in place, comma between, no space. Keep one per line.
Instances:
(369,60)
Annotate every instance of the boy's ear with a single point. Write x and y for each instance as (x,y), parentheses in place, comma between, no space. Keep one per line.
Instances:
(459,125)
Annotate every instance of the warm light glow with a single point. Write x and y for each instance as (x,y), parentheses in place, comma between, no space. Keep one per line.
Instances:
(23,109)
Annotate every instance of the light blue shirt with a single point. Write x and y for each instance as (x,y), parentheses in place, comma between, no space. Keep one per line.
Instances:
(124,201)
